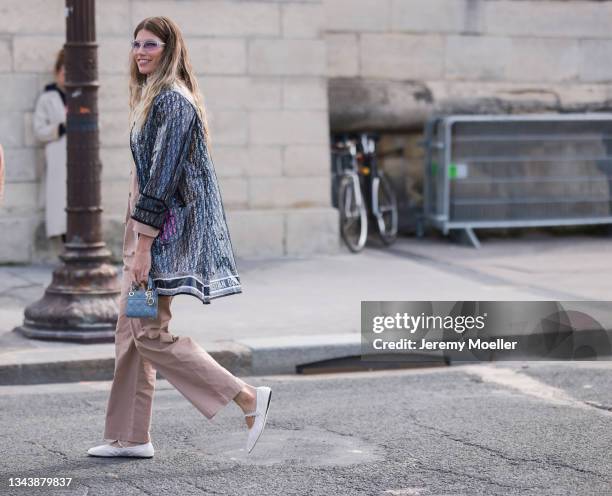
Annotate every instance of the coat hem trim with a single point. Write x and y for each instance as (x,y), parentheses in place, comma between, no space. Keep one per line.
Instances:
(206,299)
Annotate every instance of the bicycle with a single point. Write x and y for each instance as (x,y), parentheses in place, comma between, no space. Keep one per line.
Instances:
(361,191)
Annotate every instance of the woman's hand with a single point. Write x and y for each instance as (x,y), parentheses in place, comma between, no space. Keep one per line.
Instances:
(141,265)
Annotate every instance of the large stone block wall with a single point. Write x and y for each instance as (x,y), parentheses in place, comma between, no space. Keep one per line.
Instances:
(392,62)
(277,75)
(262,70)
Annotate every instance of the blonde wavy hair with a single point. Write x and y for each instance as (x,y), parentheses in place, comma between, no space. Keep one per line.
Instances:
(174,68)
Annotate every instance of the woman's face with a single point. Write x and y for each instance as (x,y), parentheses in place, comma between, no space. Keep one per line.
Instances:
(60,76)
(147,60)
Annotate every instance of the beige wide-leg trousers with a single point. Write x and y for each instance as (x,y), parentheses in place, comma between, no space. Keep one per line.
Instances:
(143,346)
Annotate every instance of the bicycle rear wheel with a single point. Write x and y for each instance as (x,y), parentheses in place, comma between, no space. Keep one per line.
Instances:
(353,215)
(387,210)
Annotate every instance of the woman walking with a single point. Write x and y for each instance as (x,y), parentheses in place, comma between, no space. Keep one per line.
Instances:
(176,232)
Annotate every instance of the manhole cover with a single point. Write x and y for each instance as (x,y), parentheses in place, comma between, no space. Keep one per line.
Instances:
(309,447)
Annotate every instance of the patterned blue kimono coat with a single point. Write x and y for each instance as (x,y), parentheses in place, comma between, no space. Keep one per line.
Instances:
(180,195)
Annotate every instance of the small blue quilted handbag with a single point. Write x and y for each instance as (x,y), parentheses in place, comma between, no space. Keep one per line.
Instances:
(142,302)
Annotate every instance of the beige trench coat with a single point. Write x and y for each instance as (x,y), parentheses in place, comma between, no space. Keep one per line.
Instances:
(49,112)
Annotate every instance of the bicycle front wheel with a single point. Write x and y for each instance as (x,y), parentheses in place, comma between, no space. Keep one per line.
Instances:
(353,215)
(386,216)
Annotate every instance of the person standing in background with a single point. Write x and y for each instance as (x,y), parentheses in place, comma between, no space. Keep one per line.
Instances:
(50,128)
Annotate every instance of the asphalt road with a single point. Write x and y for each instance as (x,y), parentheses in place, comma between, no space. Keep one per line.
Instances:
(515,428)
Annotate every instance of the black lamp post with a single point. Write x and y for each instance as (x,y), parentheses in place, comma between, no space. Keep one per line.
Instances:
(81,303)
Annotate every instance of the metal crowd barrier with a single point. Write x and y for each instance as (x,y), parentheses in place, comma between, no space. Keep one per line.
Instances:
(517,171)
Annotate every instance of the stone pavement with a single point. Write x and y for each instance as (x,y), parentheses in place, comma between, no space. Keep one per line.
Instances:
(301,310)
(511,429)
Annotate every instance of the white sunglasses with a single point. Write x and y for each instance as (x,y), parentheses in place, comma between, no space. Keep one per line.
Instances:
(148,45)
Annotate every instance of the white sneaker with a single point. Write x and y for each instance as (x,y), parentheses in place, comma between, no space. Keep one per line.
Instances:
(264,395)
(140,451)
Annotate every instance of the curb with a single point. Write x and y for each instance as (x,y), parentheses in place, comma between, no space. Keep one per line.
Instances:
(256,356)
(42,366)
(251,356)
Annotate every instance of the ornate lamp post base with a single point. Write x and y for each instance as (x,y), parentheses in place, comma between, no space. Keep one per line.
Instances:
(80,304)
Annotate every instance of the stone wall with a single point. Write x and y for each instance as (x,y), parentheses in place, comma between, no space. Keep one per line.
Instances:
(262,71)
(393,62)
(268,69)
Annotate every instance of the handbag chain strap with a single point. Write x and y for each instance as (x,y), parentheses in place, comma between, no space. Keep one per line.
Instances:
(148,292)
